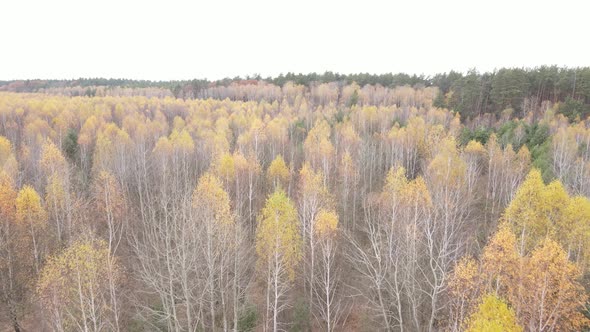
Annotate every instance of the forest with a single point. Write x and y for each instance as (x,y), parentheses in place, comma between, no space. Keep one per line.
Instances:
(320,202)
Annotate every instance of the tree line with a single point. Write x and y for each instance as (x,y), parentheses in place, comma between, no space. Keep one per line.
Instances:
(471,94)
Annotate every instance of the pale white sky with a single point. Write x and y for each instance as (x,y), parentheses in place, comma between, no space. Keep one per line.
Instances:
(176,39)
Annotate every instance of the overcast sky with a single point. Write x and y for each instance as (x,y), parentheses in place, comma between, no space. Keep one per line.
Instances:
(174,39)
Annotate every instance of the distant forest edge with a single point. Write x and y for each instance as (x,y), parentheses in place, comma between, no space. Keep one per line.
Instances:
(507,91)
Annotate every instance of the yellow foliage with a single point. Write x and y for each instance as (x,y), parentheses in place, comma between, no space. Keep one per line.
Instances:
(573,229)
(493,315)
(540,210)
(310,181)
(7,198)
(395,181)
(109,198)
(500,259)
(29,208)
(77,282)
(52,160)
(475,147)
(326,223)
(553,296)
(464,281)
(399,190)
(317,144)
(447,168)
(163,147)
(182,141)
(277,234)
(543,286)
(528,211)
(278,172)
(5,150)
(210,200)
(54,192)
(225,167)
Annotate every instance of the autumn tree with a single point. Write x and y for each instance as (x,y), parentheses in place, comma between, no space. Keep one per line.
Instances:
(57,190)
(445,232)
(390,255)
(312,197)
(31,219)
(75,288)
(218,247)
(278,246)
(464,287)
(5,150)
(319,150)
(8,161)
(538,211)
(327,301)
(554,298)
(348,180)
(543,286)
(493,315)
(15,272)
(278,174)
(111,206)
(501,263)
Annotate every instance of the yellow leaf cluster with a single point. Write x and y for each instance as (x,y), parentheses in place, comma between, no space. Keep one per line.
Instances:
(398,190)
(52,160)
(78,281)
(326,223)
(543,286)
(540,210)
(447,168)
(278,172)
(5,150)
(29,208)
(209,196)
(493,315)
(7,198)
(277,234)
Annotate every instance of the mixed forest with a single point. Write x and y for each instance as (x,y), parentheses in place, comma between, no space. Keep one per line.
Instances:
(318,202)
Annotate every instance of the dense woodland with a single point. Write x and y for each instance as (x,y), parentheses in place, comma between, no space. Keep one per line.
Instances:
(297,203)
(471,94)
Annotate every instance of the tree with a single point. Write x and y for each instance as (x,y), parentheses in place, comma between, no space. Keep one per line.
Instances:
(527,213)
(70,146)
(52,160)
(111,205)
(75,287)
(211,210)
(445,231)
(538,211)
(278,174)
(464,287)
(278,246)
(543,287)
(348,175)
(57,190)
(501,262)
(493,315)
(573,230)
(312,197)
(5,150)
(326,298)
(32,220)
(554,297)
(392,254)
(15,273)
(319,150)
